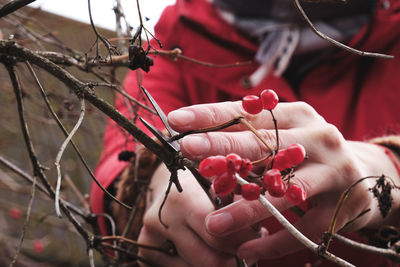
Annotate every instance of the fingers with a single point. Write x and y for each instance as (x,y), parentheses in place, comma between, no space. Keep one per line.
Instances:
(288,115)
(315,179)
(153,257)
(283,243)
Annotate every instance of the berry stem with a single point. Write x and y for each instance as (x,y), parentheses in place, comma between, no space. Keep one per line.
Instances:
(254,130)
(276,130)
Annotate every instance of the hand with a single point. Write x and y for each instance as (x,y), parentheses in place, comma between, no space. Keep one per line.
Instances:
(333,165)
(184,213)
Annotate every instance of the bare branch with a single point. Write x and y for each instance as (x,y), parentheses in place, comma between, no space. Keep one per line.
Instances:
(13,6)
(61,152)
(296,233)
(26,223)
(333,41)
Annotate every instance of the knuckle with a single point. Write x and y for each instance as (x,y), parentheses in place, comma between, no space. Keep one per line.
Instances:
(306,111)
(349,168)
(331,137)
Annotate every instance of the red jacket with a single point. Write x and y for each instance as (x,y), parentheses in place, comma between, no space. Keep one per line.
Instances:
(359,95)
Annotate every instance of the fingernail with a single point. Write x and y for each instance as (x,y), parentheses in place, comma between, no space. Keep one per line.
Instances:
(196,145)
(181,117)
(219,223)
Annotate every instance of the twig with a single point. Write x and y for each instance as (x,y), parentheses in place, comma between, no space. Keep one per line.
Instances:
(32,154)
(26,223)
(111,49)
(296,233)
(254,130)
(11,49)
(76,191)
(333,41)
(134,243)
(61,126)
(234,121)
(177,54)
(129,253)
(389,253)
(61,152)
(40,187)
(13,6)
(339,205)
(91,257)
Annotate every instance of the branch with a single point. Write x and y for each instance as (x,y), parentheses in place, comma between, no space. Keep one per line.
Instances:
(26,223)
(61,152)
(38,171)
(296,233)
(9,48)
(13,6)
(333,41)
(53,113)
(389,253)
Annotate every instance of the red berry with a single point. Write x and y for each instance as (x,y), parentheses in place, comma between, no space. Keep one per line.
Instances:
(295,194)
(252,104)
(281,160)
(269,99)
(273,183)
(245,168)
(251,191)
(15,213)
(224,183)
(278,189)
(296,153)
(38,246)
(211,166)
(234,162)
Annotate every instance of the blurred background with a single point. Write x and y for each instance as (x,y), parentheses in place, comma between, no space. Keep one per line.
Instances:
(50,241)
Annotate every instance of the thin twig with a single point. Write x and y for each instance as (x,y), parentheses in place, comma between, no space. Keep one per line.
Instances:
(61,152)
(254,130)
(61,126)
(76,191)
(13,6)
(91,257)
(26,223)
(333,41)
(343,197)
(38,171)
(389,253)
(294,232)
(224,125)
(40,187)
(134,243)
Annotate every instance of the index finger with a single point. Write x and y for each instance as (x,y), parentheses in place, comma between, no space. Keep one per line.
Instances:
(288,115)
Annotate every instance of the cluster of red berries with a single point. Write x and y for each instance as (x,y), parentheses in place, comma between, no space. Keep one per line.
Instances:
(224,169)
(253,104)
(276,180)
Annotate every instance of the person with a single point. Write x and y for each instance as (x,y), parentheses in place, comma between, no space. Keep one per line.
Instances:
(338,105)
